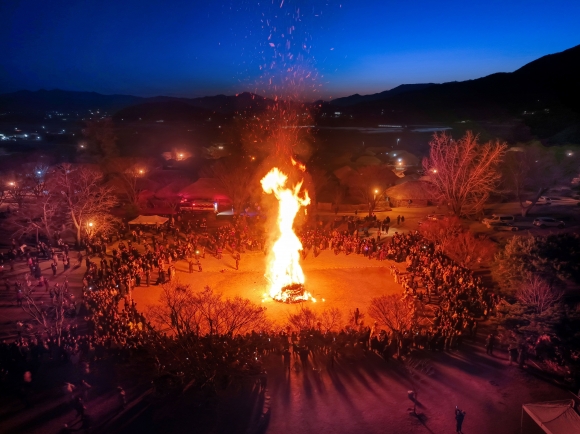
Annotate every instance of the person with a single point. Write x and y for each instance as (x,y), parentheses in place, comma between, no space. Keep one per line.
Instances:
(356,316)
(287,360)
(489,343)
(79,406)
(237,261)
(190,266)
(459,416)
(513,353)
(398,220)
(121,395)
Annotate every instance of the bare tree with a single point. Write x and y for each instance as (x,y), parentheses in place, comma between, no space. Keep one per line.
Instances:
(187,313)
(50,319)
(369,183)
(469,249)
(463,172)
(101,139)
(304,319)
(235,174)
(177,310)
(536,293)
(43,216)
(17,188)
(524,164)
(393,312)
(240,316)
(443,232)
(129,176)
(86,199)
(331,319)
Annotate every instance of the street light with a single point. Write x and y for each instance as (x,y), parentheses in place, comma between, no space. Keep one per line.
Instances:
(434,170)
(398,142)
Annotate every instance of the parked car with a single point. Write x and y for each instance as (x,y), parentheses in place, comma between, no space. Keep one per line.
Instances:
(506,218)
(544,200)
(502,226)
(432,218)
(545,222)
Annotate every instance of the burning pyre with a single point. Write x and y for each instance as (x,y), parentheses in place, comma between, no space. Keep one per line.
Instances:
(283,270)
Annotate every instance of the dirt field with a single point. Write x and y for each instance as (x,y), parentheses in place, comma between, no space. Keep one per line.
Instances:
(345,282)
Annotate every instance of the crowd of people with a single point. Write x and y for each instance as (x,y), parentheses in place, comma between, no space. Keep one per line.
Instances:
(113,326)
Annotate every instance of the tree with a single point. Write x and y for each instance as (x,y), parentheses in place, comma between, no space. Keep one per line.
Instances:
(463,172)
(441,232)
(468,249)
(331,319)
(369,184)
(536,293)
(236,176)
(459,244)
(50,319)
(85,198)
(523,164)
(304,319)
(554,258)
(101,139)
(129,177)
(205,313)
(393,312)
(43,215)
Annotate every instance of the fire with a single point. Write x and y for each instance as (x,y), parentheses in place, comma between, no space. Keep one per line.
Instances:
(284,271)
(297,163)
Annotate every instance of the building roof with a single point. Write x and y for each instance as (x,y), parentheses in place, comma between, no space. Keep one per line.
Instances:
(418,190)
(368,160)
(343,172)
(555,417)
(205,188)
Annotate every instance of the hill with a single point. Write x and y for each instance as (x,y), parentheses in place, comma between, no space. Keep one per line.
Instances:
(548,83)
(41,101)
(358,99)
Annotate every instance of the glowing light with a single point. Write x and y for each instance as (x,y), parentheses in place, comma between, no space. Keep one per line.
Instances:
(283,269)
(296,163)
(141,171)
(90,224)
(376,191)
(434,170)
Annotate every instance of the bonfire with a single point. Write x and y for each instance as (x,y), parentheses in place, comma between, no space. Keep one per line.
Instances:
(283,269)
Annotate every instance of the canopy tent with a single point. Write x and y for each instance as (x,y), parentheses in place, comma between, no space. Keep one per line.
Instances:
(149,220)
(554,417)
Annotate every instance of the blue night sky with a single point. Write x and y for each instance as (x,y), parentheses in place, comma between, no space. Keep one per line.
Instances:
(315,49)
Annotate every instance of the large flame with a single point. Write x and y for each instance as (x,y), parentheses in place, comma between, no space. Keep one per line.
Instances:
(284,267)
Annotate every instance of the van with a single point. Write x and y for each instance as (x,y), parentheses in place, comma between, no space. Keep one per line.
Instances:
(505,218)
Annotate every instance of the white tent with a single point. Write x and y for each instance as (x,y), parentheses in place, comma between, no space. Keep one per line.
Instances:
(149,220)
(554,417)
